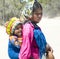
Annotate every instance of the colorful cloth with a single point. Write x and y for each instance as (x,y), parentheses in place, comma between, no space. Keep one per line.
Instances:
(34,42)
(27,11)
(29,47)
(40,40)
(16,41)
(13,51)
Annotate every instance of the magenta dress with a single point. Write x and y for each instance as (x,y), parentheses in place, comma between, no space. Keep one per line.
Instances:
(29,47)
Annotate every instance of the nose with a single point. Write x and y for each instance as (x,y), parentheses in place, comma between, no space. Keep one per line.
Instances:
(20,29)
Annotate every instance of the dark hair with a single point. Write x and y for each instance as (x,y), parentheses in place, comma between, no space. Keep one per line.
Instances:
(36,6)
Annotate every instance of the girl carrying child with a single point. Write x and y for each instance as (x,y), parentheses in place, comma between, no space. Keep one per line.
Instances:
(34,44)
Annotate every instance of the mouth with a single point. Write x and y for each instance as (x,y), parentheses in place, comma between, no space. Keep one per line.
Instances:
(38,19)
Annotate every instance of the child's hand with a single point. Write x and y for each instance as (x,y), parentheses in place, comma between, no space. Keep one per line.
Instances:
(17,44)
(20,41)
(13,38)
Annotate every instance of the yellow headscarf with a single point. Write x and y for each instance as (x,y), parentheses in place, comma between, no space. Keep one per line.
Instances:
(10,24)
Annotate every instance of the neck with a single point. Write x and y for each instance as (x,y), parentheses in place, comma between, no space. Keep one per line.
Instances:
(32,20)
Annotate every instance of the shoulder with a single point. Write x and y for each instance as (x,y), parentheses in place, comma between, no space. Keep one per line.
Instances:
(28,25)
(26,28)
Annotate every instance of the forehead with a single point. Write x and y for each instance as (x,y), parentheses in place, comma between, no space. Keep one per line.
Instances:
(19,25)
(38,10)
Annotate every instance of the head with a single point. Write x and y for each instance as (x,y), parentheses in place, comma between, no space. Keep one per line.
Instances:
(14,27)
(36,12)
(33,11)
(18,30)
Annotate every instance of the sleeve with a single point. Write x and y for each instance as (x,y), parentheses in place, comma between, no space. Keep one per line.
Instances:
(25,51)
(11,51)
(12,40)
(40,40)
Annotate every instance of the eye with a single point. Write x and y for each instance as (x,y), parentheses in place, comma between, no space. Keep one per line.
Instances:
(38,13)
(16,28)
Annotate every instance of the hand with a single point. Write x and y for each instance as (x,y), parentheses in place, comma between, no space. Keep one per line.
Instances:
(50,55)
(16,43)
(48,48)
(14,38)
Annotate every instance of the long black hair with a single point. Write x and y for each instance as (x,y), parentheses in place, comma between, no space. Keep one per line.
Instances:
(36,6)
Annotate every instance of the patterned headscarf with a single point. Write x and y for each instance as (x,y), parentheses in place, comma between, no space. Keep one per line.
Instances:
(27,11)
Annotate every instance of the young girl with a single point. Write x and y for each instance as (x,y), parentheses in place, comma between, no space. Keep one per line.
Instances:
(34,44)
(14,30)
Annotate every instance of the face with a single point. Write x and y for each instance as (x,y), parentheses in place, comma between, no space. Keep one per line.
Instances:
(37,15)
(18,30)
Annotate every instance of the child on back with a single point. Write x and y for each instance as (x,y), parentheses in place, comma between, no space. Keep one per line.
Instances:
(14,30)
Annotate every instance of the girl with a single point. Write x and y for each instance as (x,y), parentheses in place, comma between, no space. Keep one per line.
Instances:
(14,30)
(34,43)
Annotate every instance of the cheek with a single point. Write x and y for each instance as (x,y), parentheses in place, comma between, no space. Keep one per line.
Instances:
(15,31)
(35,17)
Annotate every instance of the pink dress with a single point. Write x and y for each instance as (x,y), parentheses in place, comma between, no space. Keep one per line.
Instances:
(29,47)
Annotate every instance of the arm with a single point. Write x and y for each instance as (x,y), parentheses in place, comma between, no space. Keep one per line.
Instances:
(13,40)
(48,47)
(25,51)
(13,52)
